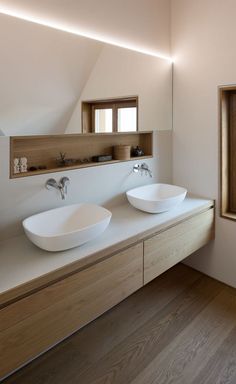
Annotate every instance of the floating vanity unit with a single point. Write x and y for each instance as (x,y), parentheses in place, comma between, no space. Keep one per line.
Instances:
(54,294)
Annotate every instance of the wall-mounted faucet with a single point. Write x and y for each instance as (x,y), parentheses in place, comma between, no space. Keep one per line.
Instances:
(142,168)
(61,186)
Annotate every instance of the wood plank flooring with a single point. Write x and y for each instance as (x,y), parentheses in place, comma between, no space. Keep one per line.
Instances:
(179,329)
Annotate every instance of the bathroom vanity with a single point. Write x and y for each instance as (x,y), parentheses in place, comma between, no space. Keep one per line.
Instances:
(45,297)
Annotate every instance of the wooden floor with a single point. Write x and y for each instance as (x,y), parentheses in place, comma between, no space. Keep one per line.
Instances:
(180,328)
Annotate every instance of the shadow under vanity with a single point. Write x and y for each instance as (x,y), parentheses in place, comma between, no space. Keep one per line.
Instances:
(45,297)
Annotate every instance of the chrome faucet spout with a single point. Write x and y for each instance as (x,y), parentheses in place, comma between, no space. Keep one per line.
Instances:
(145,168)
(62,192)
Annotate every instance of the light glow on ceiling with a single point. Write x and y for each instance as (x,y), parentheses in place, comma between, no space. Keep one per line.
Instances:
(79,32)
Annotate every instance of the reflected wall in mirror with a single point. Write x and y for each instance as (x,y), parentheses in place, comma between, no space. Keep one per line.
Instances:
(47,76)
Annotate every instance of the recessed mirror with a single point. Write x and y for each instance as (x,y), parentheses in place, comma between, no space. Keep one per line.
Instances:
(53,82)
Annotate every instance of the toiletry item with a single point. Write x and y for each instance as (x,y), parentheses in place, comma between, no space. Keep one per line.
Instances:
(23,164)
(101,158)
(137,151)
(121,152)
(16,165)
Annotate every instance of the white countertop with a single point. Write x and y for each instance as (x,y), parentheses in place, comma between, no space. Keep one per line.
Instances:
(21,261)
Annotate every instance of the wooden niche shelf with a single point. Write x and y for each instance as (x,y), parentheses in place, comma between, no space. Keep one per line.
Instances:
(43,152)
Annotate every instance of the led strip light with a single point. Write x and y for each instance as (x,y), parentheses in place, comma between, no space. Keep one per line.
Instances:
(76,31)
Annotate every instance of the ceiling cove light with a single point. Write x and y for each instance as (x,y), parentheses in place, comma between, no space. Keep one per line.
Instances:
(79,32)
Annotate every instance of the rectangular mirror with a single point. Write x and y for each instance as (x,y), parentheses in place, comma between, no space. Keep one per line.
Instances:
(53,82)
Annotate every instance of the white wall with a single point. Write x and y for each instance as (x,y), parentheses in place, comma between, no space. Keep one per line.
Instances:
(141,23)
(20,198)
(42,73)
(119,73)
(203,42)
(45,72)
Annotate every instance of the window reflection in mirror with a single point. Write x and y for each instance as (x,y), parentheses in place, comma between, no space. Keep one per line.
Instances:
(127,119)
(111,115)
(103,120)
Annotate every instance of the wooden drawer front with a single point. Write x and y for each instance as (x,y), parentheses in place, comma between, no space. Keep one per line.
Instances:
(35,323)
(168,248)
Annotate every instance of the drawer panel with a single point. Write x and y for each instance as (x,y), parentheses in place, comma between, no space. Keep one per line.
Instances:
(168,248)
(33,324)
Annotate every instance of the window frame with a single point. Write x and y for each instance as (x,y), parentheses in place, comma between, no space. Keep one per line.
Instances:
(88,109)
(227,113)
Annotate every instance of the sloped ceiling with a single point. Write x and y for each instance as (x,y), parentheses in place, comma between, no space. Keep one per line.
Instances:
(43,70)
(42,74)
(140,23)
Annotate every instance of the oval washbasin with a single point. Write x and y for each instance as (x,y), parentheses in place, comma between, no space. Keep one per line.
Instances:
(156,198)
(66,227)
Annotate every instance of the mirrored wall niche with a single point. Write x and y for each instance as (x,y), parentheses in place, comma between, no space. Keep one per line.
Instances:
(47,74)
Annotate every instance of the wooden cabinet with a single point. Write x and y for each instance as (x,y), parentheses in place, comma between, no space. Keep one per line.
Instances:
(33,324)
(41,319)
(171,246)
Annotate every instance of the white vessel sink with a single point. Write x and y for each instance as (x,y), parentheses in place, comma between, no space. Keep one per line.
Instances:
(66,227)
(156,198)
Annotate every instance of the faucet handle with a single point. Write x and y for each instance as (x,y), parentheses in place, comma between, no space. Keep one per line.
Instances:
(51,183)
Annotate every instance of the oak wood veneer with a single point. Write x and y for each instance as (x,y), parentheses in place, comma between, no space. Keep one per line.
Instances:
(166,249)
(178,329)
(31,325)
(227,102)
(33,285)
(45,150)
